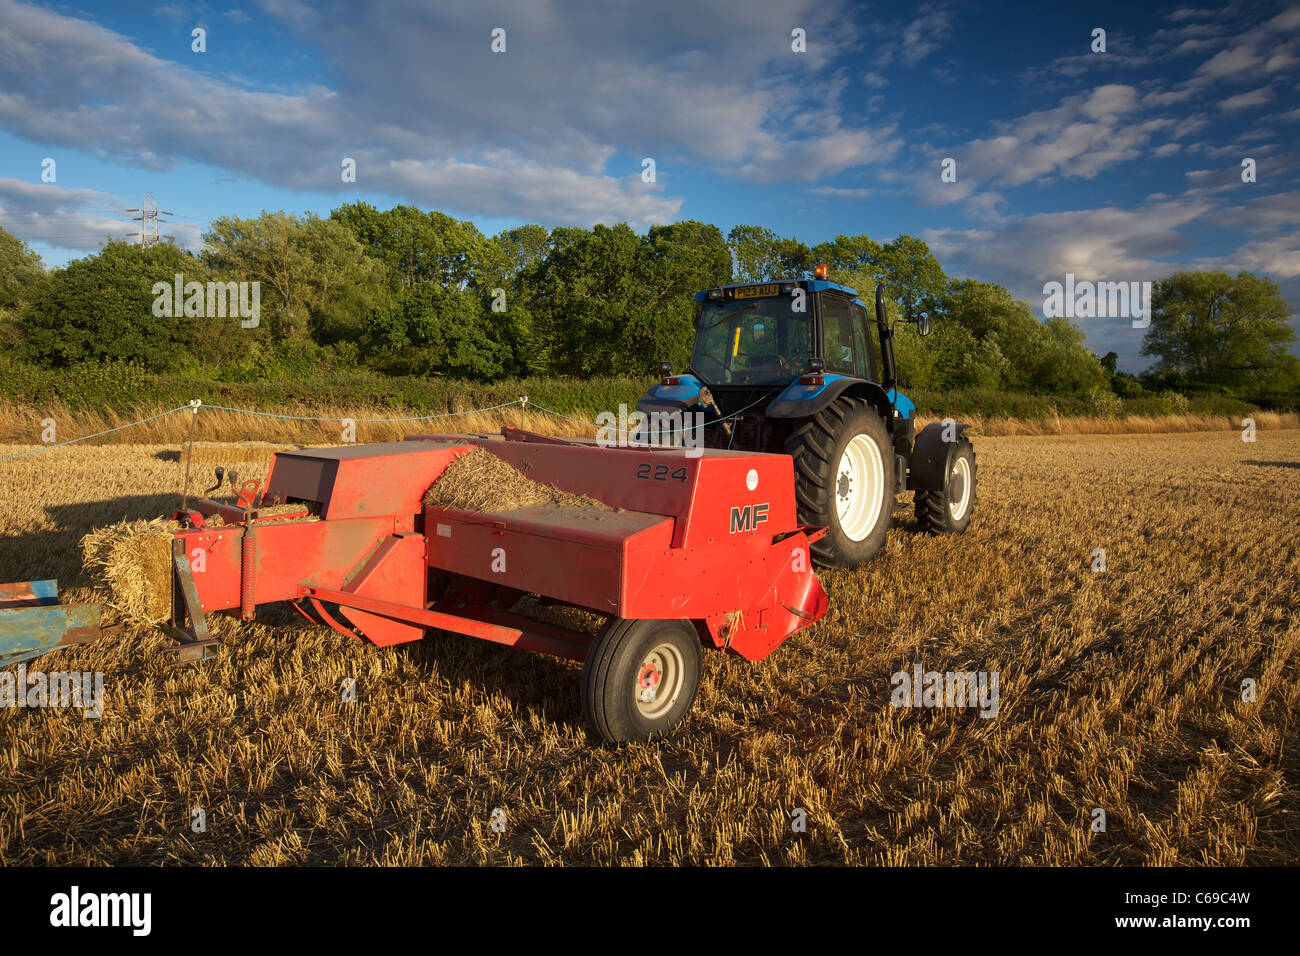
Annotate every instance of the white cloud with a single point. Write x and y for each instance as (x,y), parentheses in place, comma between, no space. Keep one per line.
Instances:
(840,192)
(926,33)
(1111,244)
(1147,242)
(75,219)
(1082,136)
(440,120)
(1243,101)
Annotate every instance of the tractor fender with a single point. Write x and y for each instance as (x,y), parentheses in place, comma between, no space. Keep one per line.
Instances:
(671,398)
(804,401)
(932,456)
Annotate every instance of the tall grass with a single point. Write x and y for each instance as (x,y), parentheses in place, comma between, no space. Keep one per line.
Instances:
(28,424)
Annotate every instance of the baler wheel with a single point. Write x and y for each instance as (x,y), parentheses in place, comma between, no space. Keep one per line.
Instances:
(949,511)
(640,678)
(844,480)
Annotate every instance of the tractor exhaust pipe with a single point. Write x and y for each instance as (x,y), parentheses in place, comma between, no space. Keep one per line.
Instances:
(890,373)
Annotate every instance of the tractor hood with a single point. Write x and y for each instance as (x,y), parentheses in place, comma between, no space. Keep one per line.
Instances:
(683,395)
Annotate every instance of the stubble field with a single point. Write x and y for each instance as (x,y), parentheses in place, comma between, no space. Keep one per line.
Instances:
(1120,690)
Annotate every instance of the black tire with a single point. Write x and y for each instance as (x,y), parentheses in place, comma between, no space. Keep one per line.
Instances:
(616,662)
(940,512)
(818,445)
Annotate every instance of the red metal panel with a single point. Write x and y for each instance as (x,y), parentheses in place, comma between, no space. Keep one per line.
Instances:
(727,509)
(360,480)
(395,572)
(288,554)
(518,549)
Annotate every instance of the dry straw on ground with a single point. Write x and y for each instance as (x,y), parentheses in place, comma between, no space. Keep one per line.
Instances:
(133,561)
(1120,690)
(480,481)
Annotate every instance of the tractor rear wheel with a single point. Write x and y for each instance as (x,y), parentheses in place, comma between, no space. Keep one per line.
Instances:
(640,678)
(844,480)
(948,511)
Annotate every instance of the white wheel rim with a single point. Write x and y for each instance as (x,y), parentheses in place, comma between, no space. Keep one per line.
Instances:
(659,680)
(859,480)
(960,478)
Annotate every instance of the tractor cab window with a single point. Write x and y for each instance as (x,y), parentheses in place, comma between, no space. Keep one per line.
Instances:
(837,328)
(752,341)
(862,344)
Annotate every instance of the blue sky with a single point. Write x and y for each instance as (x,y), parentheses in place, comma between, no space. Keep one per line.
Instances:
(1123,165)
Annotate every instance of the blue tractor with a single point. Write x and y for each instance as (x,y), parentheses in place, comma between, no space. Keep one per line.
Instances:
(790,366)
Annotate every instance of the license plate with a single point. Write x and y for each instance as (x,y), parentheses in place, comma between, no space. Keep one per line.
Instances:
(757,291)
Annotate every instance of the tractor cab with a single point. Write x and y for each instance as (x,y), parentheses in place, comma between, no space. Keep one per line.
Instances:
(769,353)
(764,335)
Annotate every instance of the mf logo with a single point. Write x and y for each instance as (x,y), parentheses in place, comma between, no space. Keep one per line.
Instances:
(748,518)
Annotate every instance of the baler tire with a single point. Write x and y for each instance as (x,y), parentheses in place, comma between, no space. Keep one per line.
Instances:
(818,444)
(612,671)
(935,512)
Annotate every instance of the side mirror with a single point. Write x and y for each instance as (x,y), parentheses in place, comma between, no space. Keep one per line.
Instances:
(923,324)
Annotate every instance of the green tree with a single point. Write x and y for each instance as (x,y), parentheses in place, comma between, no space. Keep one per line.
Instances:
(1065,363)
(912,275)
(522,250)
(419,246)
(848,254)
(1214,329)
(21,273)
(513,260)
(316,278)
(983,337)
(762,254)
(101,308)
(430,329)
(591,290)
(677,261)
(611,302)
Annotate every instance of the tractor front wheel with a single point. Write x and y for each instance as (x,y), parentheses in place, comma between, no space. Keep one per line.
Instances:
(844,480)
(640,678)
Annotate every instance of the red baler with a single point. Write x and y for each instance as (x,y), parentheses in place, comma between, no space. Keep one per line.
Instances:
(701,548)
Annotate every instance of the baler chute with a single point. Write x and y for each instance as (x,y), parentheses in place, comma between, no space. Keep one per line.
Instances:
(693,549)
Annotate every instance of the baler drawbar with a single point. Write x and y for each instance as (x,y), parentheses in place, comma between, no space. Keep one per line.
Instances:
(697,547)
